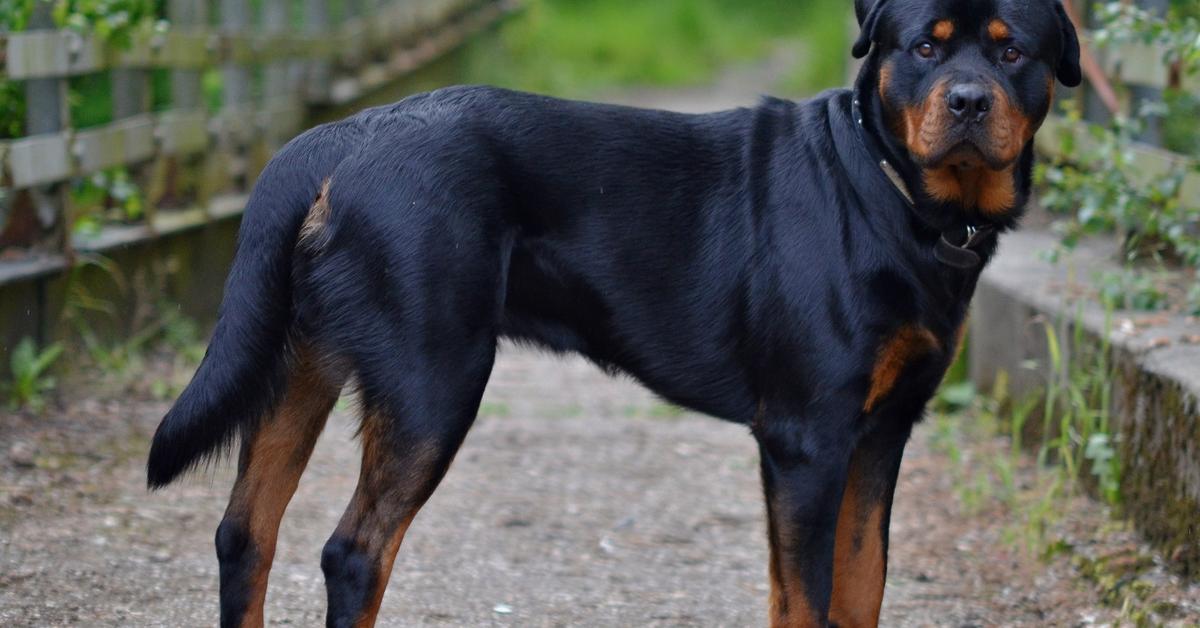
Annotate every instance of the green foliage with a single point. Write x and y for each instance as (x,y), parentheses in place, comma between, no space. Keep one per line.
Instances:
(30,374)
(1131,290)
(106,196)
(1178,34)
(14,14)
(577,46)
(1103,189)
(110,20)
(1100,186)
(13,17)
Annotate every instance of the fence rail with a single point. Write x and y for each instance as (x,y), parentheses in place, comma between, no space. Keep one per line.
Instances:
(271,68)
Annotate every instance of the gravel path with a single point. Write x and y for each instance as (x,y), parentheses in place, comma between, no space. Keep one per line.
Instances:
(577,500)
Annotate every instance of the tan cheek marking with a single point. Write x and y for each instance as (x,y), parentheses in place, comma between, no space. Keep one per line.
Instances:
(1008,128)
(998,30)
(924,125)
(943,30)
(908,343)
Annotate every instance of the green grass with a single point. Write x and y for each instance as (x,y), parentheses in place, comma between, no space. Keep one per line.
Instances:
(579,46)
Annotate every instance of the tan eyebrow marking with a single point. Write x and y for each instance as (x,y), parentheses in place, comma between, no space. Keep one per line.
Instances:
(943,30)
(998,29)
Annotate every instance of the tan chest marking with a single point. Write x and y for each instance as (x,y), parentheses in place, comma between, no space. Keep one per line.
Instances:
(905,345)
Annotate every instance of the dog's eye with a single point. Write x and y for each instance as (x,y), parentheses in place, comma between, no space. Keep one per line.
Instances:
(1011,55)
(925,50)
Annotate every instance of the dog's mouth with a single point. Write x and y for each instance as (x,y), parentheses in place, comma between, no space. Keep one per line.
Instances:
(966,151)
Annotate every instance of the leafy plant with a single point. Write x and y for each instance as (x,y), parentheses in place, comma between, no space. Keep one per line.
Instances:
(110,20)
(1129,290)
(30,374)
(111,194)
(1101,184)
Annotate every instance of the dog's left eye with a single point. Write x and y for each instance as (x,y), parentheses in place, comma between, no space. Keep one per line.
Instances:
(1011,55)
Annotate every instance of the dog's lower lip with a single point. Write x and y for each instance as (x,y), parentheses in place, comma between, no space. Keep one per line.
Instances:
(963,154)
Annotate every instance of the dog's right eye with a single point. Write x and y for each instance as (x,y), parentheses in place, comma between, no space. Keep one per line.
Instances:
(925,50)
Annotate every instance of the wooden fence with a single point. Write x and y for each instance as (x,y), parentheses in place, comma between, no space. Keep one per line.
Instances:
(193,160)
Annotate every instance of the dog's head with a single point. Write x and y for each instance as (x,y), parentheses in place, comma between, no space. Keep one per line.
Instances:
(964,84)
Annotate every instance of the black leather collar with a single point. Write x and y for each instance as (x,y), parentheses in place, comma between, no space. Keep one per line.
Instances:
(957,245)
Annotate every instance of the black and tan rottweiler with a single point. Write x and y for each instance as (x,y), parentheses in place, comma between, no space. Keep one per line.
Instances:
(802,268)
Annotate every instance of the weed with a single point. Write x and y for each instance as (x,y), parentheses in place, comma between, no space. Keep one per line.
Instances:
(31,378)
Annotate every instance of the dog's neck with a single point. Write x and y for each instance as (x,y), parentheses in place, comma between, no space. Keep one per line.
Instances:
(944,198)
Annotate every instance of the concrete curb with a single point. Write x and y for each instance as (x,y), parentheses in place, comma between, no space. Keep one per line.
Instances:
(1156,392)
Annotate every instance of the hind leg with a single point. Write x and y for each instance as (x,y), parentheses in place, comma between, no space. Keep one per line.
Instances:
(407,447)
(271,462)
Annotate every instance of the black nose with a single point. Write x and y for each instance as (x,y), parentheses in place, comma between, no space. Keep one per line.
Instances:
(969,101)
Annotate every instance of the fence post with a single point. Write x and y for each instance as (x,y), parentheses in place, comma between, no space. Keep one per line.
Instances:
(235,19)
(1152,134)
(316,22)
(41,209)
(236,116)
(277,82)
(131,96)
(187,175)
(187,85)
(46,111)
(130,92)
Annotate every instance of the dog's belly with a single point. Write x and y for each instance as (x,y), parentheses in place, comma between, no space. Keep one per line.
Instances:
(553,305)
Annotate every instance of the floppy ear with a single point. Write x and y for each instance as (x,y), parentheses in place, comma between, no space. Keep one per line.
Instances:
(867,12)
(1068,62)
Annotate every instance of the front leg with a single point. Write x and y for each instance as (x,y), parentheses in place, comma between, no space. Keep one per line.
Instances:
(804,470)
(860,553)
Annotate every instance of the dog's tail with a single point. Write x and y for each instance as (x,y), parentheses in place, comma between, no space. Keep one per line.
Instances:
(244,371)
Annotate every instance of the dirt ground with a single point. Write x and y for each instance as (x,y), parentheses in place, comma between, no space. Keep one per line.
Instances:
(577,500)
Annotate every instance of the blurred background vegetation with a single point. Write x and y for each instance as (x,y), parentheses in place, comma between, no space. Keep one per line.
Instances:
(578,47)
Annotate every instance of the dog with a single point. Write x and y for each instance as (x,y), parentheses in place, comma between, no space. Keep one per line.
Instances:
(801,268)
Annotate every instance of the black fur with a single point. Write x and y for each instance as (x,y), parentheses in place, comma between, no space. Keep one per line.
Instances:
(237,554)
(748,264)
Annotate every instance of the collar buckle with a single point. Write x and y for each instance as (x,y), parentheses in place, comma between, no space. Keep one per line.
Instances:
(963,256)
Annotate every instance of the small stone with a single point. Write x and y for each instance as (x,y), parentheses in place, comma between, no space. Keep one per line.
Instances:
(161,556)
(22,454)
(502,609)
